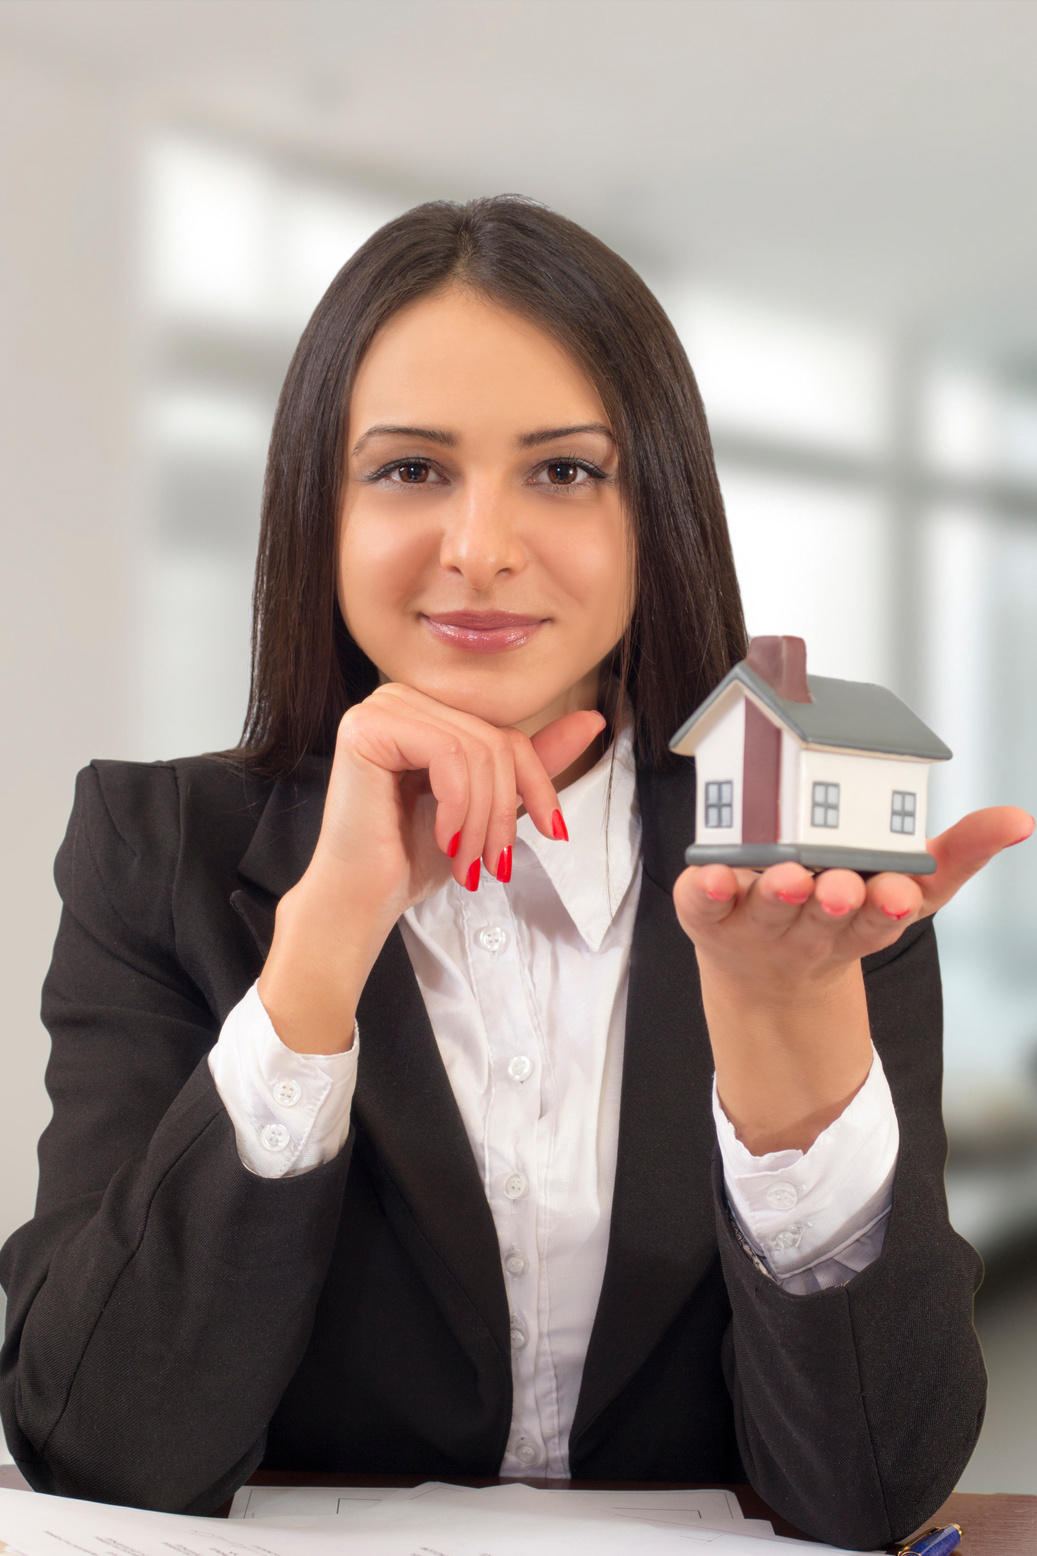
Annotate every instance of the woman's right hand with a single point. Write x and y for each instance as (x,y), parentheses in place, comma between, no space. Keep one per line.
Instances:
(418,792)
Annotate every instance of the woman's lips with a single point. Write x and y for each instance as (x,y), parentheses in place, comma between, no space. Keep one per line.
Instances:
(483,632)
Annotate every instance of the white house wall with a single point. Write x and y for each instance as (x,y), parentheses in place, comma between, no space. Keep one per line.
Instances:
(718,759)
(866,785)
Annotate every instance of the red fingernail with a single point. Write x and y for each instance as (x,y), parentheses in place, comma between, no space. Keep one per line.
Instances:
(836,909)
(795,902)
(717,896)
(558,827)
(453,845)
(1017,840)
(504,866)
(471,880)
(890,914)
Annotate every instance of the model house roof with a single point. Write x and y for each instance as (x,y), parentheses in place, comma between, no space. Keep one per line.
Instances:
(855,715)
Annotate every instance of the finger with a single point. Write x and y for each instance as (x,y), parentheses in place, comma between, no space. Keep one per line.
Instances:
(704,895)
(411,745)
(416,732)
(470,846)
(559,743)
(535,761)
(376,745)
(775,898)
(550,751)
(837,894)
(535,789)
(503,815)
(967,846)
(892,902)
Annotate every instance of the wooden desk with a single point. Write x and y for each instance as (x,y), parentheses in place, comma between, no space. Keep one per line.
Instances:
(1000,1525)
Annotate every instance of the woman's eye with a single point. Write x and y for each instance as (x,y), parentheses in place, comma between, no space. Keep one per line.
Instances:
(412,473)
(407,472)
(567,472)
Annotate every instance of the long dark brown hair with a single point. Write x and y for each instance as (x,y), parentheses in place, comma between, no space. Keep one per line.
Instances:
(687,628)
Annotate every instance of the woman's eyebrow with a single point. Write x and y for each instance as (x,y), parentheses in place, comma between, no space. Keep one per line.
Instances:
(548,435)
(430,434)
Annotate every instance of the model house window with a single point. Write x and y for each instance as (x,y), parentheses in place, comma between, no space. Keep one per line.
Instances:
(719,802)
(825,805)
(903,816)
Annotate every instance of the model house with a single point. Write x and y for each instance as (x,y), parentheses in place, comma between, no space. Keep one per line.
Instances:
(832,774)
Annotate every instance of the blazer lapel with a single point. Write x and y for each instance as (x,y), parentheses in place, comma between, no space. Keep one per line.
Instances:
(282,846)
(662,1237)
(415,1142)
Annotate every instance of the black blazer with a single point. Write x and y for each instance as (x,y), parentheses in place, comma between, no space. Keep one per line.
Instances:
(175,1321)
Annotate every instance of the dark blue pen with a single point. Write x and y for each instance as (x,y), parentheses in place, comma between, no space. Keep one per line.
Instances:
(934,1542)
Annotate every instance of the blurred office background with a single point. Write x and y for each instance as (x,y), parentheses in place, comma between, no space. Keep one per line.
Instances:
(835,201)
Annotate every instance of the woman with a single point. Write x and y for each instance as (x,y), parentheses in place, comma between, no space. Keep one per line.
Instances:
(493,574)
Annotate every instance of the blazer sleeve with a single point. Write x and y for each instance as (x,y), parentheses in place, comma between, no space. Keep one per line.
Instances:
(162,1297)
(857,1408)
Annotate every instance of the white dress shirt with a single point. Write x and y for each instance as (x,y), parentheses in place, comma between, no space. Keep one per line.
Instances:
(526,990)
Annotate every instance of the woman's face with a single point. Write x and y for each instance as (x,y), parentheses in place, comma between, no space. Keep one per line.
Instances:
(483,548)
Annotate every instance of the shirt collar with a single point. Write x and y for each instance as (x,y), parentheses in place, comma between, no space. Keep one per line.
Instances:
(593,871)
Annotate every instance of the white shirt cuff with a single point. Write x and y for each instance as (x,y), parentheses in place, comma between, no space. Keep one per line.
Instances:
(816,1217)
(290,1111)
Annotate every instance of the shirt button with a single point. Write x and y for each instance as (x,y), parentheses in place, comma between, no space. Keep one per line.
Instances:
(518,1335)
(493,938)
(526,1452)
(515,1262)
(520,1068)
(515,1184)
(287,1093)
(789,1238)
(275,1137)
(782,1196)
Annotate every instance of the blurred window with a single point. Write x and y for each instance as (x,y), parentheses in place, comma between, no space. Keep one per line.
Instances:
(237,250)
(231,239)
(975,425)
(767,373)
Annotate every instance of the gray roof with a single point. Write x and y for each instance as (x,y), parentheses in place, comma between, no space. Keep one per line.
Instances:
(853,714)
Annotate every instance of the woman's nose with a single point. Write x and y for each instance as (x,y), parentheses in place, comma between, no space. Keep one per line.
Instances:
(480,540)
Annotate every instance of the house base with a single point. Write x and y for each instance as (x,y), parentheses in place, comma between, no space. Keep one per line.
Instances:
(813,856)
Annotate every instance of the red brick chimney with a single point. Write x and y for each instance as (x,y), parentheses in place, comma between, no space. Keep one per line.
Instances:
(782,663)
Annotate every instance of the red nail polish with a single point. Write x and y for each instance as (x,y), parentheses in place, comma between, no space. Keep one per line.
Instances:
(453,845)
(717,896)
(793,902)
(504,866)
(558,827)
(1017,840)
(836,909)
(890,914)
(471,880)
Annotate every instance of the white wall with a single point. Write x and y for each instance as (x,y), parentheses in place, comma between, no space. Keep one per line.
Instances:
(866,786)
(68,576)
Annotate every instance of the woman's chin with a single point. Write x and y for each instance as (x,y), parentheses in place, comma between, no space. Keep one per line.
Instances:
(503,707)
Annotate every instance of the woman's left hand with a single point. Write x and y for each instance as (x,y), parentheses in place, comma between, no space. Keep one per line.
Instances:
(780,960)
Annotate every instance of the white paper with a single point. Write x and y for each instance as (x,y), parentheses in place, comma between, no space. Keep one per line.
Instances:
(717,1508)
(681,1509)
(403,1524)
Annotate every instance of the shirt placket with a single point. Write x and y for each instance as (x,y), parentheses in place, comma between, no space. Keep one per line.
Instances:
(512,1169)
